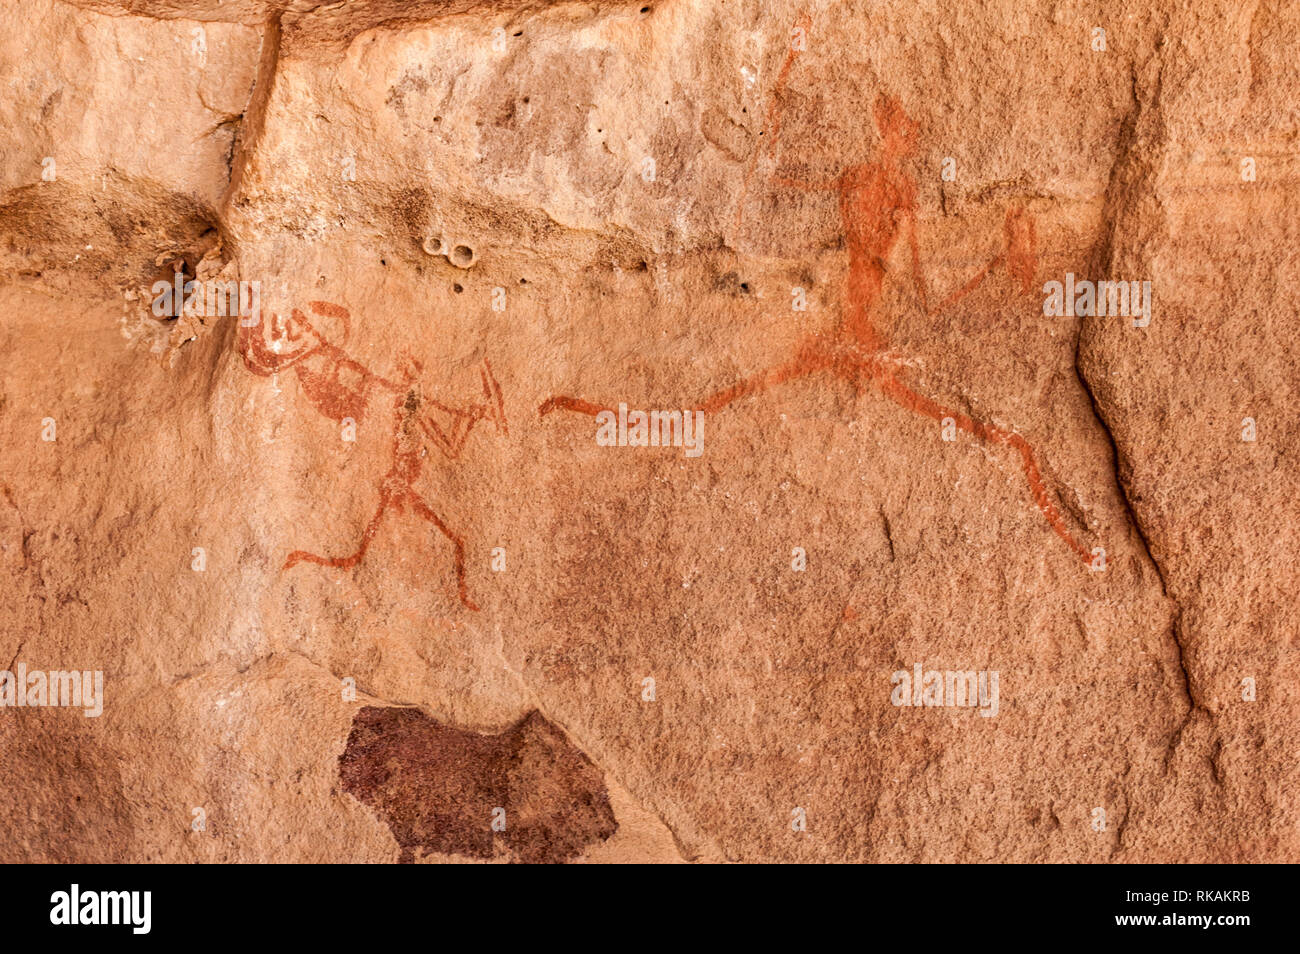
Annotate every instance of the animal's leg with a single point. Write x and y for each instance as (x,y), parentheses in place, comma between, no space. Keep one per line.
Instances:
(347,562)
(458,545)
(913,401)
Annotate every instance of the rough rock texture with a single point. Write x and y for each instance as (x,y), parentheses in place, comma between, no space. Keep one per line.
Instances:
(360,573)
(435,785)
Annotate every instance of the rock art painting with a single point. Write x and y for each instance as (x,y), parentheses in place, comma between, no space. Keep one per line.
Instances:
(341,389)
(688,432)
(877,204)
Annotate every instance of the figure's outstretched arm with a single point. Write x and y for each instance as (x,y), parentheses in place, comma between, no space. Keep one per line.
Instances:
(563,402)
(1020,257)
(918,275)
(450,440)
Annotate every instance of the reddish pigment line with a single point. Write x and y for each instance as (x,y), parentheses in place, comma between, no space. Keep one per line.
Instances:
(562,403)
(910,399)
(340,388)
(877,201)
(772,121)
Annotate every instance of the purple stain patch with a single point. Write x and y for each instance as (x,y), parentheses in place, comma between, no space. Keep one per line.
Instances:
(440,789)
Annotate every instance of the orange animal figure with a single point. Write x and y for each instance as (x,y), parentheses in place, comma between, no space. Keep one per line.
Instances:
(877,202)
(339,387)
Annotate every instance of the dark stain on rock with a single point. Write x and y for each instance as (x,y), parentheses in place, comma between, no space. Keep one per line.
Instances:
(438,787)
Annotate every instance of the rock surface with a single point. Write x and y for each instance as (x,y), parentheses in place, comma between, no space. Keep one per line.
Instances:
(358,569)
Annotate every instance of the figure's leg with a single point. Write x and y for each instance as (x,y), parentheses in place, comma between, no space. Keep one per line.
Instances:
(913,401)
(458,545)
(866,280)
(809,361)
(347,562)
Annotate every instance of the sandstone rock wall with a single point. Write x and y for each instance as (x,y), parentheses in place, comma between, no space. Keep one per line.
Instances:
(358,571)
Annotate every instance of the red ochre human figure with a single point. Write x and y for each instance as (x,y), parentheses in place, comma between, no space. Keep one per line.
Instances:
(341,388)
(877,205)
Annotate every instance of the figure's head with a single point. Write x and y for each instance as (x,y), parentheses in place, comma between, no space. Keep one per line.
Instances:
(336,317)
(335,327)
(899,131)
